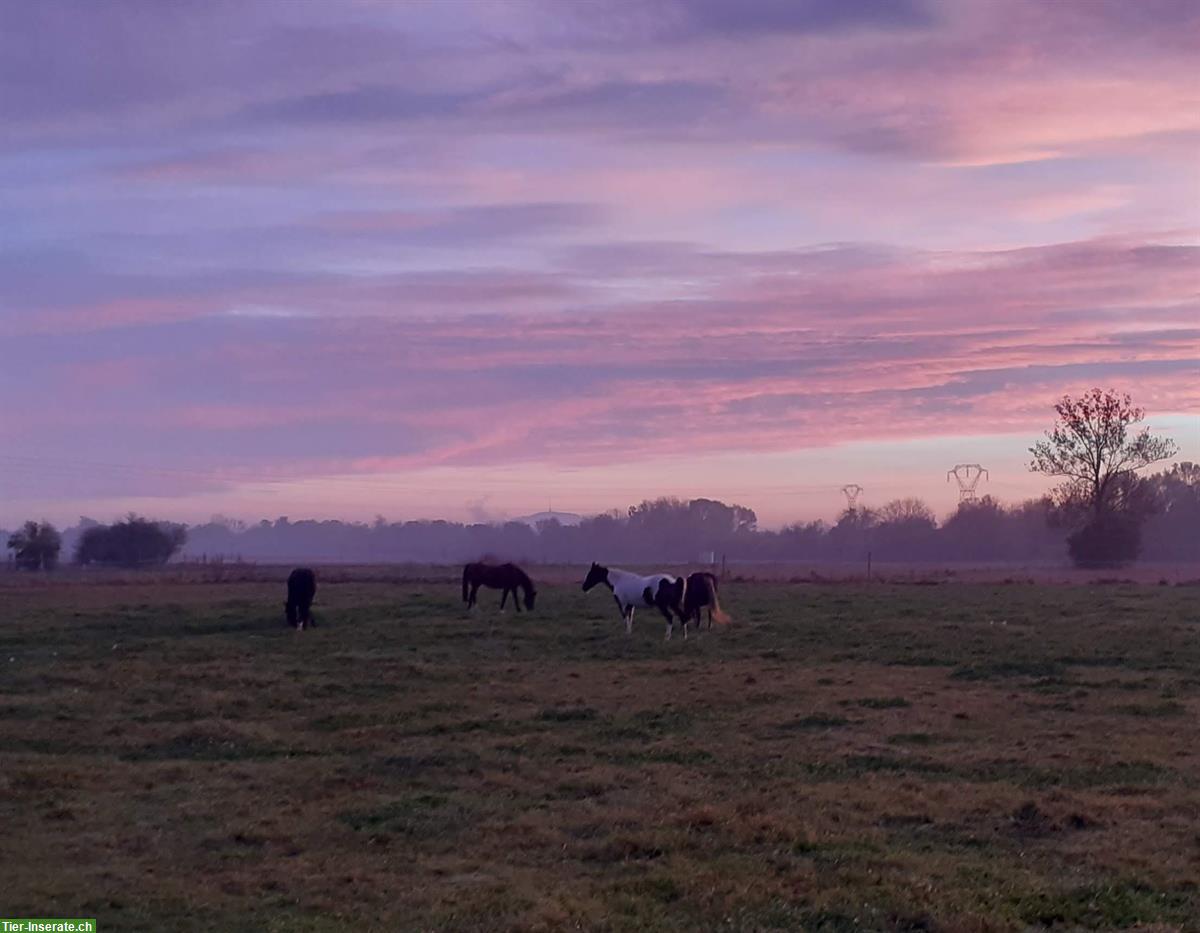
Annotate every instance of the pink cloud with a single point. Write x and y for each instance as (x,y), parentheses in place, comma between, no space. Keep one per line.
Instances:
(478,237)
(829,356)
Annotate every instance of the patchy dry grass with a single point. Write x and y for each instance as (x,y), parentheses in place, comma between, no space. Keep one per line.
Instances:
(845,757)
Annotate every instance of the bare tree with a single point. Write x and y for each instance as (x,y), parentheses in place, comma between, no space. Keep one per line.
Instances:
(1094,449)
(907,511)
(1091,447)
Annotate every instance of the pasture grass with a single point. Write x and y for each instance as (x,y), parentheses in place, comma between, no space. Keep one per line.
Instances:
(844,757)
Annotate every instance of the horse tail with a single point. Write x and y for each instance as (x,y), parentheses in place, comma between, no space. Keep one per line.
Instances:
(718,614)
(466,580)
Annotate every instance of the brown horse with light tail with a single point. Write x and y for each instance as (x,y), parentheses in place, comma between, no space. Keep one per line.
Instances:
(701,591)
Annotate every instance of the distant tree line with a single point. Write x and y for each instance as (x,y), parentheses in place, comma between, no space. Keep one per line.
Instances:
(657,531)
(132,542)
(678,531)
(1102,513)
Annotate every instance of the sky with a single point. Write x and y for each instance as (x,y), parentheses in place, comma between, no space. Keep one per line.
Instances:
(475,259)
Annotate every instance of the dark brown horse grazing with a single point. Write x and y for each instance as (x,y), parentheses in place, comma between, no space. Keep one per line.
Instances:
(301,588)
(506,577)
(701,591)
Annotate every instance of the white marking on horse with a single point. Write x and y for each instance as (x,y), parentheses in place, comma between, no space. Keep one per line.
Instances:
(631,590)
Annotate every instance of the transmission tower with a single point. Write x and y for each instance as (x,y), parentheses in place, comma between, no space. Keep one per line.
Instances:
(852,491)
(967,475)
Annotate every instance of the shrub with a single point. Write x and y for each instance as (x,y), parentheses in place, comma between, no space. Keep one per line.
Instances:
(135,542)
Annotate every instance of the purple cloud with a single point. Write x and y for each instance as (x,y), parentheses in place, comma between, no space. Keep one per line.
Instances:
(773,17)
(435,234)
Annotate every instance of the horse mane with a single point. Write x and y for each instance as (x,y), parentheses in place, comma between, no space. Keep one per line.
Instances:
(523,578)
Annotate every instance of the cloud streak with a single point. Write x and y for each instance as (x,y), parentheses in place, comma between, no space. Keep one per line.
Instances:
(297,239)
(759,360)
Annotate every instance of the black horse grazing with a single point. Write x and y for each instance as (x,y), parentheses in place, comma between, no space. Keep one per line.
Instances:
(301,588)
(701,591)
(506,577)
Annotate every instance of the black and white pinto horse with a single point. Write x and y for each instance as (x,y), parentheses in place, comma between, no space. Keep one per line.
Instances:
(506,577)
(301,588)
(658,591)
(701,592)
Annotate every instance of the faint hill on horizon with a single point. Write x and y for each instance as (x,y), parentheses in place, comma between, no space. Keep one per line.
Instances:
(563,518)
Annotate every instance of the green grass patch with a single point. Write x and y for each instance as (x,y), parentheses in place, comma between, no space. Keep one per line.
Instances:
(1152,710)
(1119,905)
(405,767)
(917,738)
(814,721)
(879,703)
(417,816)
(993,670)
(198,745)
(568,714)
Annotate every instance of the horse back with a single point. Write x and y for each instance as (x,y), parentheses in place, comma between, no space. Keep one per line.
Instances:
(301,585)
(495,575)
(301,588)
(701,587)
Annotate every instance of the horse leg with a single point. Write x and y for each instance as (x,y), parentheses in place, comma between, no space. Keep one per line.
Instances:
(629,620)
(503,597)
(474,594)
(516,600)
(670,620)
(665,608)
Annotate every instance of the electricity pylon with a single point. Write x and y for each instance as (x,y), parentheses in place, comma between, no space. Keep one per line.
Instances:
(967,475)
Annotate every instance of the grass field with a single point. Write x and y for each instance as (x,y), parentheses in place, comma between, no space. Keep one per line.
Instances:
(844,757)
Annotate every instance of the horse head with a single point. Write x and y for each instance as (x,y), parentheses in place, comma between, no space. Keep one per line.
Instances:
(596,575)
(530,596)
